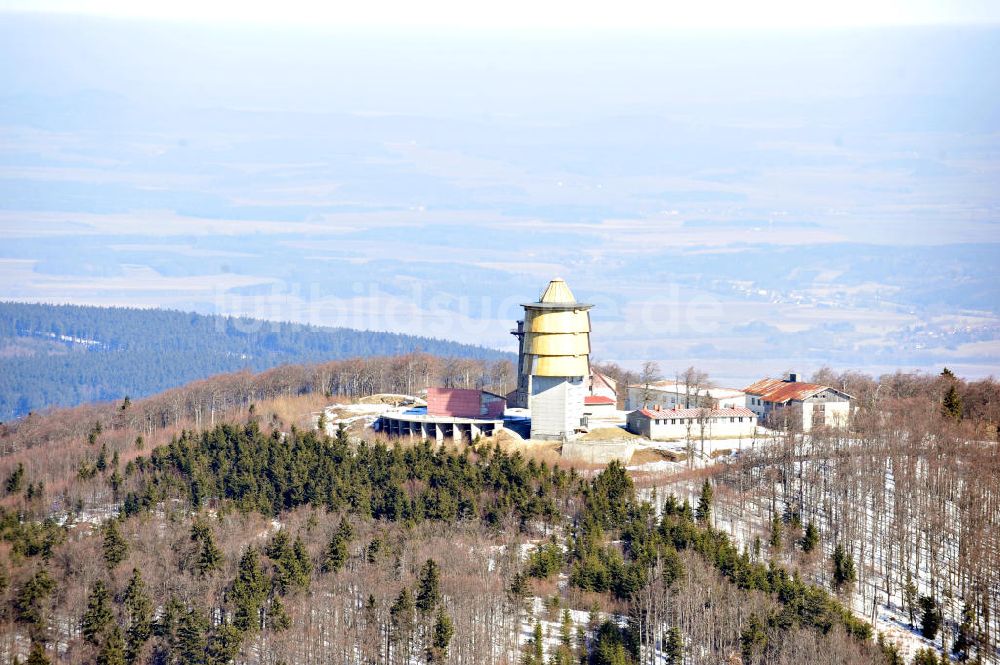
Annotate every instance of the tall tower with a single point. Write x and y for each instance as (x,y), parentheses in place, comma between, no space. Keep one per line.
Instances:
(554,361)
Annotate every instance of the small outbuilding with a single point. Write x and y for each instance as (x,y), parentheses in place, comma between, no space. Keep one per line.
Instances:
(599,406)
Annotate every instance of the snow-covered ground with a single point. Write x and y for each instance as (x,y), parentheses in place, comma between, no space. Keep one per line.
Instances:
(744,520)
(349,414)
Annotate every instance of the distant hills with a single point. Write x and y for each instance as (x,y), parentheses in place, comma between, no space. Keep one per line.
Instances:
(63,355)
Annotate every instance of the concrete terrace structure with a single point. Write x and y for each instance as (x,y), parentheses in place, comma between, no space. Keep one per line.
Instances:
(792,403)
(451,413)
(418,425)
(663,424)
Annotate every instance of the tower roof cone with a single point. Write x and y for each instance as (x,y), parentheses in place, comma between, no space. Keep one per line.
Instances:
(557,292)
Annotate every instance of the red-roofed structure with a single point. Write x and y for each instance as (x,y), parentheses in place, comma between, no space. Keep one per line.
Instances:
(792,403)
(599,406)
(695,413)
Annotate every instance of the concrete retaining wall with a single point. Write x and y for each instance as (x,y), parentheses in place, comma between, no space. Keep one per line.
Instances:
(598,452)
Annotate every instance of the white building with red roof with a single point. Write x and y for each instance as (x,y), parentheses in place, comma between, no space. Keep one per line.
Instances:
(790,403)
(701,423)
(599,406)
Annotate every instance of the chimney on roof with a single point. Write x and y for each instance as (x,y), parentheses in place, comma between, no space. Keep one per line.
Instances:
(793,377)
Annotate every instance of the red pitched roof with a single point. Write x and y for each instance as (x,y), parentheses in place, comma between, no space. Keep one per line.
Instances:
(779,391)
(696,413)
(597,399)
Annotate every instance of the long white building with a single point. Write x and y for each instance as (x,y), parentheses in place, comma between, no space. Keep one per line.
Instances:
(671,394)
(676,424)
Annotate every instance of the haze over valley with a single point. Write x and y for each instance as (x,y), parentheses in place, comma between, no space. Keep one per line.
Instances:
(722,204)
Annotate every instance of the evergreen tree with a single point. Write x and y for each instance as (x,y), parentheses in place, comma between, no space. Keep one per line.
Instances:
(401,620)
(610,646)
(966,640)
(166,626)
(535,648)
(428,588)
(910,599)
(443,631)
(98,615)
(278,619)
(673,646)
(95,431)
(102,458)
(278,547)
(301,563)
(223,645)
(248,592)
(890,652)
(36,656)
(292,565)
(113,650)
(192,636)
(776,531)
(566,629)
(930,618)
(337,551)
(115,481)
(209,556)
(753,639)
(139,613)
(951,404)
(518,589)
(15,480)
(31,599)
(563,654)
(115,546)
(843,568)
(704,512)
(926,656)
(374,549)
(810,539)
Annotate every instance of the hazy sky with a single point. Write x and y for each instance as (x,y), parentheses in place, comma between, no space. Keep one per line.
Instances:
(550,14)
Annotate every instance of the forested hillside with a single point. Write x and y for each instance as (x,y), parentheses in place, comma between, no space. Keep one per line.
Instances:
(62,355)
(249,544)
(213,524)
